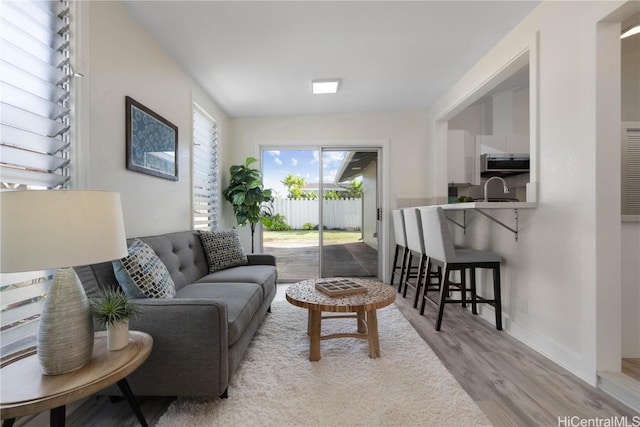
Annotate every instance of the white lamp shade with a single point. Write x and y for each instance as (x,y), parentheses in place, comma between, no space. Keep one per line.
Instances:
(59,228)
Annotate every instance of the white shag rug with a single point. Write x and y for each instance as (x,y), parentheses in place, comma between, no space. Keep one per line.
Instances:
(277,385)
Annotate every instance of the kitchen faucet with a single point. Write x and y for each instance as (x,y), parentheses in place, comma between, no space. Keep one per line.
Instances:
(504,186)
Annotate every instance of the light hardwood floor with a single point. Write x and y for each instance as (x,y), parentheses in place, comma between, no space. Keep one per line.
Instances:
(512,384)
(631,367)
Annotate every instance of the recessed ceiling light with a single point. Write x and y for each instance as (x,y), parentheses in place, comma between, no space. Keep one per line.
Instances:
(631,32)
(324,86)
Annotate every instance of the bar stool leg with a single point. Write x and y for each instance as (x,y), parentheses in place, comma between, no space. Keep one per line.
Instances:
(497,297)
(474,301)
(426,287)
(421,267)
(405,252)
(463,285)
(444,290)
(406,285)
(395,265)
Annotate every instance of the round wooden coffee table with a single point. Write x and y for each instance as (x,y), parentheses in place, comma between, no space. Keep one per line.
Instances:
(378,295)
(25,390)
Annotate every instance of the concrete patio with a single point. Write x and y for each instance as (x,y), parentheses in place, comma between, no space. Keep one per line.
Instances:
(299,260)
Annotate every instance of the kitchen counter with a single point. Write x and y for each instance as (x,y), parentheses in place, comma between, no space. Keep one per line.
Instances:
(481,207)
(488,205)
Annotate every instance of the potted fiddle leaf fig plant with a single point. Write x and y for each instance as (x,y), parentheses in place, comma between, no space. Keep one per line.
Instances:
(250,200)
(112,308)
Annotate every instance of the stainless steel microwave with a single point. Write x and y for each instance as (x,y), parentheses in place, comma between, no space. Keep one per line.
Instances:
(503,164)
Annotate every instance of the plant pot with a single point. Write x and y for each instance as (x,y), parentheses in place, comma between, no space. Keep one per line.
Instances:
(118,335)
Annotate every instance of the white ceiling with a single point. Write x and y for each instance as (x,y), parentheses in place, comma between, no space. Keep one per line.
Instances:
(258,58)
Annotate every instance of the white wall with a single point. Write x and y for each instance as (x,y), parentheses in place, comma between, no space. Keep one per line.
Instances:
(521,112)
(469,119)
(557,295)
(119,58)
(404,133)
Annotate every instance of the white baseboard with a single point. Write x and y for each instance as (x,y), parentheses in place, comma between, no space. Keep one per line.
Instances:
(550,349)
(622,387)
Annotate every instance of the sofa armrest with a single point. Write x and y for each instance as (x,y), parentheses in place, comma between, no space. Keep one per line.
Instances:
(261,259)
(190,347)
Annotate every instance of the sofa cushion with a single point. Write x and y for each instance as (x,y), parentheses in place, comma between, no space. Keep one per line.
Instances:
(223,249)
(264,275)
(182,253)
(243,301)
(141,274)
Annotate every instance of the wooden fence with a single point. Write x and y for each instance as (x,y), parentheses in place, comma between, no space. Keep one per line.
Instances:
(338,214)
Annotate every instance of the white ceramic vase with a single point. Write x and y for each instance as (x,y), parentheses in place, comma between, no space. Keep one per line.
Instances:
(65,335)
(118,335)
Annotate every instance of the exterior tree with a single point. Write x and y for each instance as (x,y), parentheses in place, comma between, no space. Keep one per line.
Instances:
(294,184)
(355,191)
(331,195)
(251,202)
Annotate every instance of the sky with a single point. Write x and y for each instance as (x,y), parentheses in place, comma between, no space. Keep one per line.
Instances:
(277,164)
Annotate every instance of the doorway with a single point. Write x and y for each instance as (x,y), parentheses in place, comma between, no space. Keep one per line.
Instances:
(325,210)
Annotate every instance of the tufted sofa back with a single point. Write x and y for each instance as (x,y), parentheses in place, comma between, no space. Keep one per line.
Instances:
(181,252)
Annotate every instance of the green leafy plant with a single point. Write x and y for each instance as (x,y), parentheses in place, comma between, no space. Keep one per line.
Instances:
(307,226)
(278,222)
(251,202)
(464,199)
(355,189)
(294,184)
(111,306)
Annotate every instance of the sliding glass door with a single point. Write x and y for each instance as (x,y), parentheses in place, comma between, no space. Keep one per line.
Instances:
(349,206)
(326,206)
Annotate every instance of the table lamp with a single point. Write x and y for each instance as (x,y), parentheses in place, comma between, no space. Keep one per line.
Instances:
(61,229)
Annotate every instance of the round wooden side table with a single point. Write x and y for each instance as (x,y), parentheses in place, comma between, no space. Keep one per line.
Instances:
(378,295)
(25,390)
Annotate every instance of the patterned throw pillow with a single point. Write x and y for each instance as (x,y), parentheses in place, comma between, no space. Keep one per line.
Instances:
(223,249)
(142,274)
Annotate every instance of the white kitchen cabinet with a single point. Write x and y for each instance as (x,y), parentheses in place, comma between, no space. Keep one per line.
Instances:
(499,144)
(462,161)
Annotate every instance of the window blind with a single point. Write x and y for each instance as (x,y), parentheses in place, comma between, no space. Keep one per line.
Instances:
(35,119)
(205,171)
(34,82)
(630,171)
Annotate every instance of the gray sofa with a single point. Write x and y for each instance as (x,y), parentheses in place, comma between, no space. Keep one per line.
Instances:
(201,335)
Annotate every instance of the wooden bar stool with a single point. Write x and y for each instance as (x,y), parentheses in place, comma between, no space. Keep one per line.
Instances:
(440,250)
(401,247)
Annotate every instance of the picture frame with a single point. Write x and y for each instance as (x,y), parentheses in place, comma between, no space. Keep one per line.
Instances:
(151,142)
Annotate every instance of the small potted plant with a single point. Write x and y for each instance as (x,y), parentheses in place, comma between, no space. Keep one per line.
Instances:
(113,309)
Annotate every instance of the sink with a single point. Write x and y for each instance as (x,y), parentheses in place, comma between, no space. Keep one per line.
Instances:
(498,199)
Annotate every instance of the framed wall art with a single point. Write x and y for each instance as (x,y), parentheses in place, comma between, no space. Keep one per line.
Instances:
(152,142)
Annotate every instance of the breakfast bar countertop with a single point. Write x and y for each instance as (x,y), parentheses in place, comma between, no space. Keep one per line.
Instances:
(481,206)
(489,205)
